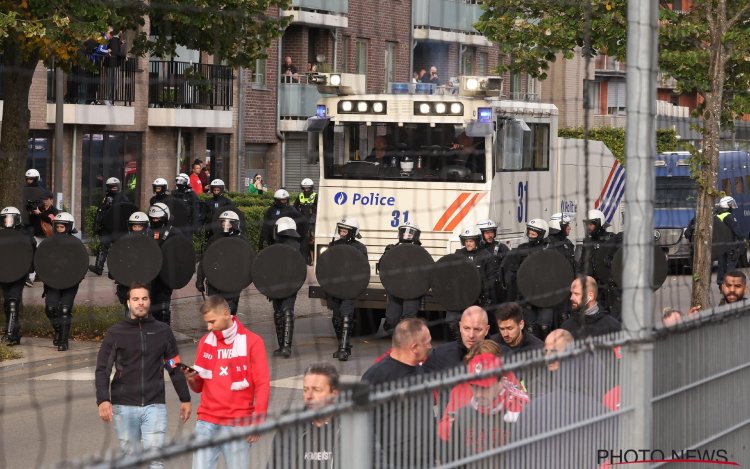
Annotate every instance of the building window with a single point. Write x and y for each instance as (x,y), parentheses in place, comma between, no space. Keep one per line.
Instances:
(259,74)
(345,54)
(515,85)
(482,63)
(532,88)
(390,64)
(39,155)
(616,98)
(217,156)
(467,62)
(362,56)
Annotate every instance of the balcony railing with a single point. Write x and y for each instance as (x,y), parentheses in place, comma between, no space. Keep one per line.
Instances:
(446,15)
(605,63)
(297,100)
(97,84)
(187,85)
(340,7)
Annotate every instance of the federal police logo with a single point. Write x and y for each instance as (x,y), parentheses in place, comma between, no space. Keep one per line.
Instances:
(340,198)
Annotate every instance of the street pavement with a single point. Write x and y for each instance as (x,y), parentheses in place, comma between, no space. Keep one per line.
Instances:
(47,399)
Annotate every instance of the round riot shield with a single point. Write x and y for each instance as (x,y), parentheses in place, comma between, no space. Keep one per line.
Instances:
(134,258)
(227,264)
(230,208)
(115,219)
(343,272)
(455,282)
(32,197)
(61,261)
(17,255)
(544,278)
(178,262)
(178,212)
(660,267)
(405,271)
(279,271)
(723,240)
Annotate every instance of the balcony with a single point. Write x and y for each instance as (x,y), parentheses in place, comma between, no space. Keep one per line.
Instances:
(605,65)
(98,94)
(297,102)
(447,21)
(183,94)
(663,80)
(319,13)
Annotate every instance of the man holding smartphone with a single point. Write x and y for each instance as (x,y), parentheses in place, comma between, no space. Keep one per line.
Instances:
(140,348)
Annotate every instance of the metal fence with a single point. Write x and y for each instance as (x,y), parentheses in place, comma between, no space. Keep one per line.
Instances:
(97,83)
(190,85)
(567,409)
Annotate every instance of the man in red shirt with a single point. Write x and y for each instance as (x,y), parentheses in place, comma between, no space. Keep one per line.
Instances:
(231,372)
(195,179)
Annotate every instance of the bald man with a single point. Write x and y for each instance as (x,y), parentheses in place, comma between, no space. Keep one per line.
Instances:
(410,345)
(558,341)
(473,328)
(588,319)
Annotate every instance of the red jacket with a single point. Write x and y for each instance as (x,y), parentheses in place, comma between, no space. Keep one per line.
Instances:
(196,184)
(221,405)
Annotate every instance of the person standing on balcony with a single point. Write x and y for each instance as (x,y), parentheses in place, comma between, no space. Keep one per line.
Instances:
(289,71)
(434,78)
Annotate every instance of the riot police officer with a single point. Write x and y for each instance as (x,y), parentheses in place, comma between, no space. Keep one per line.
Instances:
(138,223)
(538,320)
(33,177)
(499,250)
(559,228)
(184,193)
(285,232)
(599,248)
(484,262)
(58,304)
(399,308)
(280,208)
(229,226)
(217,204)
(161,230)
(347,232)
(161,191)
(728,261)
(113,196)
(307,204)
(13,291)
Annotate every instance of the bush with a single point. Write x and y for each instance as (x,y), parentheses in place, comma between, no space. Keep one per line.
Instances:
(614,138)
(89,322)
(88,228)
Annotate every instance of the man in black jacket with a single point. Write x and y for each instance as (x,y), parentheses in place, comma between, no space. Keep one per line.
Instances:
(473,328)
(140,348)
(588,319)
(512,336)
(113,196)
(185,194)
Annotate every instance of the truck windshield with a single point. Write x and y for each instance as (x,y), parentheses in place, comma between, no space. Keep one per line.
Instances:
(675,192)
(417,152)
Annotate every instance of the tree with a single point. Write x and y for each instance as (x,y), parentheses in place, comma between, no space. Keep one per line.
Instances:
(52,31)
(704,48)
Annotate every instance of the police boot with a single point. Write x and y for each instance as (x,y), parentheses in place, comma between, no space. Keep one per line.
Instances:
(345,348)
(101,258)
(13,330)
(65,321)
(287,333)
(278,322)
(51,312)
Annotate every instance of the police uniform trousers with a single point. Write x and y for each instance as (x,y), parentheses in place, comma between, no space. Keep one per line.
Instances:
(59,298)
(13,293)
(727,262)
(161,299)
(398,309)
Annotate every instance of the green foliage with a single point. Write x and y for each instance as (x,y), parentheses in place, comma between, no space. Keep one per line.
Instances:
(89,322)
(614,139)
(253,206)
(88,227)
(8,353)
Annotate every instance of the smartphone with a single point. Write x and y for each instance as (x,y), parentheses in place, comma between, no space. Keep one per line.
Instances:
(186,367)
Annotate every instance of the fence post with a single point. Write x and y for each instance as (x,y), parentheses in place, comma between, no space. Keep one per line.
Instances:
(357,435)
(638,297)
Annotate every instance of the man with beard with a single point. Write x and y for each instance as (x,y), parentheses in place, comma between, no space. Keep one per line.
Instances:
(587,319)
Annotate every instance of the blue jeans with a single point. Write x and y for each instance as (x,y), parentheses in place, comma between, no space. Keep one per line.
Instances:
(236,452)
(145,425)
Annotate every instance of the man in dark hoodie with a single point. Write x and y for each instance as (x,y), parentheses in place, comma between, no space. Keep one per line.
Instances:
(140,348)
(588,318)
(513,337)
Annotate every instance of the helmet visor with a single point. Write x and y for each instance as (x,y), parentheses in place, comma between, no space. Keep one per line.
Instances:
(409,233)
(9,220)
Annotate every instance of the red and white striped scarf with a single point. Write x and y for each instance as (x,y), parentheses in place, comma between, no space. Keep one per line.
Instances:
(236,336)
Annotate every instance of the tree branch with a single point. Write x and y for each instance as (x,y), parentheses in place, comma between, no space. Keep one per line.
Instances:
(732,21)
